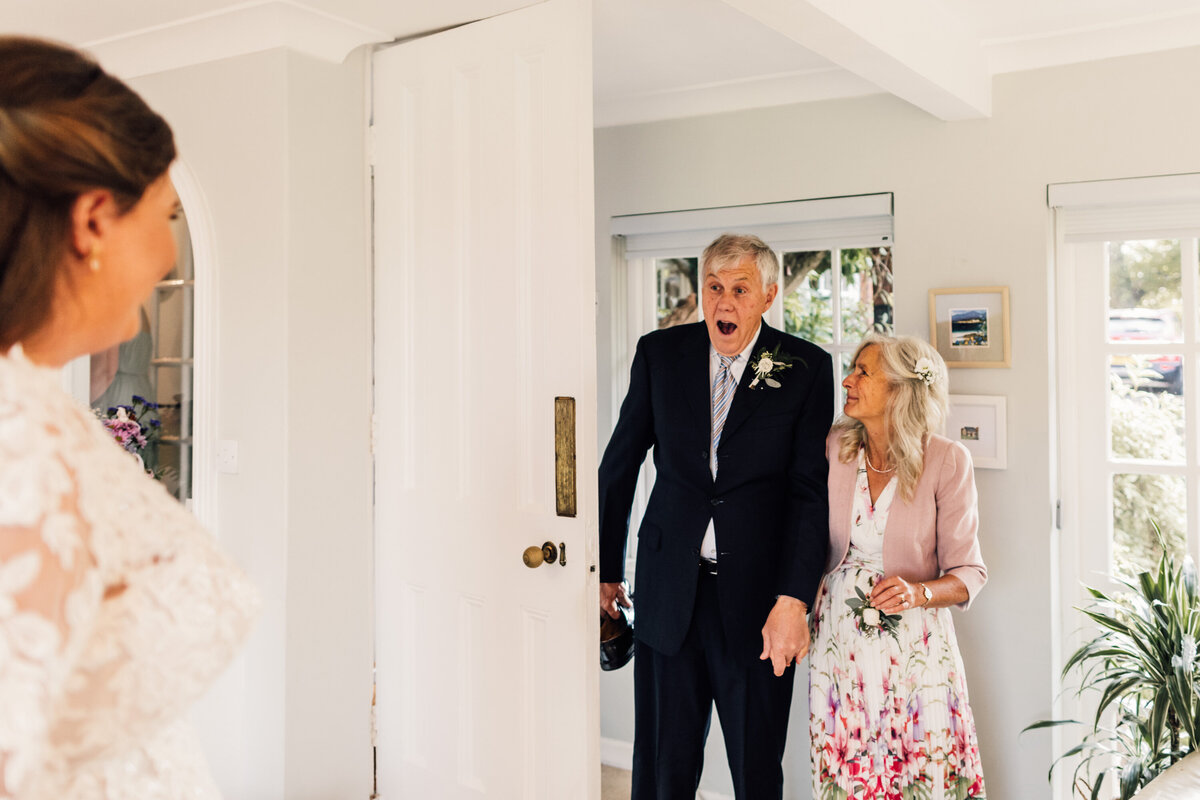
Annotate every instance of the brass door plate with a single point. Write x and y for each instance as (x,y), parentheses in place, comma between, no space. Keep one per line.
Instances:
(564,456)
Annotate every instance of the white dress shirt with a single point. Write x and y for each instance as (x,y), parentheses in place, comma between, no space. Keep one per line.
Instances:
(708,547)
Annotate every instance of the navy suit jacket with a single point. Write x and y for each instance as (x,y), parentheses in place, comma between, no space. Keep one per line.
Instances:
(768,503)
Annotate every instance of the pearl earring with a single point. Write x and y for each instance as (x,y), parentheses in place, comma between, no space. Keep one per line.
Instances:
(93,260)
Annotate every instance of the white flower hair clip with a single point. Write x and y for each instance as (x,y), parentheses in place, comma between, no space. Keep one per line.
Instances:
(925,371)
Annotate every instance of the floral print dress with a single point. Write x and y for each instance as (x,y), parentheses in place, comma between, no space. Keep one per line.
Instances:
(889,716)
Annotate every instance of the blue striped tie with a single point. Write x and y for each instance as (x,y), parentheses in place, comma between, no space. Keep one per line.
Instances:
(722,395)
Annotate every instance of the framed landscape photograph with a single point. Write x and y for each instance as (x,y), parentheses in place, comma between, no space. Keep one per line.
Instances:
(979,423)
(970,327)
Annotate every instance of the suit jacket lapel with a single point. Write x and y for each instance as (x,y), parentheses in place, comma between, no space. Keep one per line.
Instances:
(693,377)
(745,399)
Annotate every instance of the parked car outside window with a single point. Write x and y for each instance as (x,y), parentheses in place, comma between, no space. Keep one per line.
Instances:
(1146,325)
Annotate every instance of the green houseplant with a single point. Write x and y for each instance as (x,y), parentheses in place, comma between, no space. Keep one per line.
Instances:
(1143,665)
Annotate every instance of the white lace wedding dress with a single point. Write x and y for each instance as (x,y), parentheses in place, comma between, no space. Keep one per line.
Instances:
(116,609)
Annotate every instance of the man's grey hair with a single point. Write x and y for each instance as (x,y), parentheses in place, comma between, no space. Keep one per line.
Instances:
(730,248)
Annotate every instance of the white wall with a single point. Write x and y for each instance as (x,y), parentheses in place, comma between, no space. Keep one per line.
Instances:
(276,143)
(329,586)
(970,210)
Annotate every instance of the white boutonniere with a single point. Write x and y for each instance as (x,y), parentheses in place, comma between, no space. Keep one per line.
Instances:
(767,367)
(925,371)
(870,620)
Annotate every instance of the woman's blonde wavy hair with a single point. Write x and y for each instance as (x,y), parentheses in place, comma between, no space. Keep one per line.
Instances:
(915,409)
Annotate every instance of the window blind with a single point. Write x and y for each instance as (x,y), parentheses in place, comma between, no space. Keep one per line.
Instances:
(1162,207)
(855,221)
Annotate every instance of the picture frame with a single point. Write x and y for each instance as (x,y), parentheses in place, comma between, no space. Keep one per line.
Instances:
(969,326)
(980,423)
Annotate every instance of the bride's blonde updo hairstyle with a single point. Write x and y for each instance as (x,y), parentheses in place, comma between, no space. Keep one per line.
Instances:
(917,405)
(66,127)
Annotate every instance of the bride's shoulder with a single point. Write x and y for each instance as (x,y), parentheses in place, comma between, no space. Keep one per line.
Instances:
(41,429)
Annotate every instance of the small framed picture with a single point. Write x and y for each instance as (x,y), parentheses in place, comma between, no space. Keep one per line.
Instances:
(969,327)
(978,422)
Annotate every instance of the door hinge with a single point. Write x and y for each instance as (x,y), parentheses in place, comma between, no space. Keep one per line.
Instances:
(1058,515)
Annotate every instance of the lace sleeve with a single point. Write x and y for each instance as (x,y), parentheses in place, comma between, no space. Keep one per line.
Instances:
(49,592)
(155,645)
(117,609)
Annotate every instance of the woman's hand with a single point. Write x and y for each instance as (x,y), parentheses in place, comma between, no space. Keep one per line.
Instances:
(894,594)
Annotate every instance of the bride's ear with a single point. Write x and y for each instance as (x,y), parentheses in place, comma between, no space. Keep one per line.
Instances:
(92,215)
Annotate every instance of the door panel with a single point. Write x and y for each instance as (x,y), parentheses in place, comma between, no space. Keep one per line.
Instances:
(485,312)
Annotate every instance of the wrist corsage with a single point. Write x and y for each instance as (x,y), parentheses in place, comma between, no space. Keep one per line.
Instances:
(870,620)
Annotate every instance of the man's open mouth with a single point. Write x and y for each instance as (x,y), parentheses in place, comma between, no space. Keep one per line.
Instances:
(727,328)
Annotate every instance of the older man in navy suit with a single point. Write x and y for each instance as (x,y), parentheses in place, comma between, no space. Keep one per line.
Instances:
(733,540)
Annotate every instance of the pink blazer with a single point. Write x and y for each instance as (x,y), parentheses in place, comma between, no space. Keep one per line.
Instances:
(933,535)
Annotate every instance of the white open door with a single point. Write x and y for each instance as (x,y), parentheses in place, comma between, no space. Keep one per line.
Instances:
(485,314)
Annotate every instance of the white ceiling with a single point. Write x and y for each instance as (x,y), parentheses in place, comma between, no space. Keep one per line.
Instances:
(86,21)
(658,59)
(661,59)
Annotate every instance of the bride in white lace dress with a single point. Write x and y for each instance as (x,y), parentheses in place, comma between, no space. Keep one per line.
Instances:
(116,609)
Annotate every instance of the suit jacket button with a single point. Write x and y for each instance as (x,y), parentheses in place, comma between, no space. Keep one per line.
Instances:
(695,551)
(716,501)
(704,455)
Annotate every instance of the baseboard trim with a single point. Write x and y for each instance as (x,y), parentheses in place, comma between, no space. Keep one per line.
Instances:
(616,753)
(619,754)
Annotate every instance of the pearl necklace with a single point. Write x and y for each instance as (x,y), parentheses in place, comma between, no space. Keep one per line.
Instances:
(867,458)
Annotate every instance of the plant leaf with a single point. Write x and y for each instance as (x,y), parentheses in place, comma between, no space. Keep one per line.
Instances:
(1049,723)
(1131,778)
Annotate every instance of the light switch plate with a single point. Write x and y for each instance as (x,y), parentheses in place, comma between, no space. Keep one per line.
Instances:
(227,456)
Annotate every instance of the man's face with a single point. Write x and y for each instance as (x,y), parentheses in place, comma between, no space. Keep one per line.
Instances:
(734,302)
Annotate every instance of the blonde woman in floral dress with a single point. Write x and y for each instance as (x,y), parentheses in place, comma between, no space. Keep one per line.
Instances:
(889,715)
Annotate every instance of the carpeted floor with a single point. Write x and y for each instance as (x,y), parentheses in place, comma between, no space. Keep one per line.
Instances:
(614,783)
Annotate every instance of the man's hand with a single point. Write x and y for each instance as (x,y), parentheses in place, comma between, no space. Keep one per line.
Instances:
(785,636)
(610,595)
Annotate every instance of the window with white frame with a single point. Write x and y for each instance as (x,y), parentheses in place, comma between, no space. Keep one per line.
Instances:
(148,379)
(1128,349)
(836,308)
(835,258)
(1127,287)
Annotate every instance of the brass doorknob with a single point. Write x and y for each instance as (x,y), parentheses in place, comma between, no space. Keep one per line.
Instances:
(536,556)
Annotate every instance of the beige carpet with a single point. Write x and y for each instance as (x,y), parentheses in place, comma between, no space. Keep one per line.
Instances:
(614,783)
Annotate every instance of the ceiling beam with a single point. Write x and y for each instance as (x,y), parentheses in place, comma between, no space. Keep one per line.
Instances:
(921,51)
(229,32)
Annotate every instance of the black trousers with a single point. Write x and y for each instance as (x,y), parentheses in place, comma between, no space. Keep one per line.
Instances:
(674,696)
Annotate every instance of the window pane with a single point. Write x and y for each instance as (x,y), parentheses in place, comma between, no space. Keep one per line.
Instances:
(807,292)
(171,309)
(677,282)
(866,292)
(1145,295)
(1146,407)
(1137,500)
(150,376)
(843,364)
